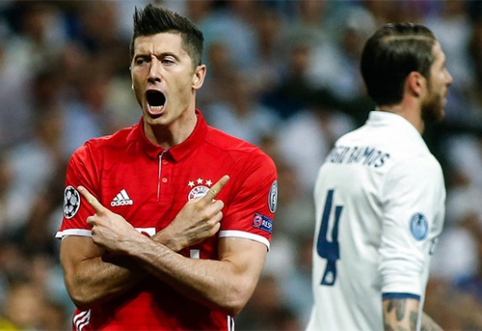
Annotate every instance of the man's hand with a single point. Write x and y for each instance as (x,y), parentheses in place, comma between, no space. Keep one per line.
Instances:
(198,219)
(109,230)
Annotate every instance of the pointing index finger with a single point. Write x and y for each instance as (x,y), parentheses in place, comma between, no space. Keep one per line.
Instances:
(215,189)
(93,202)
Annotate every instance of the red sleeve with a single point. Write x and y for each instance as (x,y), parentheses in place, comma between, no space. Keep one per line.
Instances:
(80,171)
(252,206)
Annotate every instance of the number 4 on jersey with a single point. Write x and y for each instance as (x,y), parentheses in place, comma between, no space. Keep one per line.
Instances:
(329,250)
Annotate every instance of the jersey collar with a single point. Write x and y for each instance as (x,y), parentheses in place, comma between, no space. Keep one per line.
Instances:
(382,118)
(177,152)
(399,125)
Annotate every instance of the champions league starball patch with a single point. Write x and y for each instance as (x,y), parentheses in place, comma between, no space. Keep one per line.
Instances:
(419,226)
(71,202)
(273,197)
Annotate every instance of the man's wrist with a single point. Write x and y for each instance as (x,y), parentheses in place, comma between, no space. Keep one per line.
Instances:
(164,237)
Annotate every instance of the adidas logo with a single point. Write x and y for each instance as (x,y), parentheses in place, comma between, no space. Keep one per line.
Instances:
(121,199)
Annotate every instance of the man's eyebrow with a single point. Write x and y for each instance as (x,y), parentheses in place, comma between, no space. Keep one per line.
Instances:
(159,56)
(164,54)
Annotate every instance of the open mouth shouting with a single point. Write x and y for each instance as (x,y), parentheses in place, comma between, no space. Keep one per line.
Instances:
(155,102)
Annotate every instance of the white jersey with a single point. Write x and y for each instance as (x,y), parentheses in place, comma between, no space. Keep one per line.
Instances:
(379,199)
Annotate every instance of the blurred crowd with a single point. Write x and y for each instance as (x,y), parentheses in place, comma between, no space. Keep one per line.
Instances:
(281,74)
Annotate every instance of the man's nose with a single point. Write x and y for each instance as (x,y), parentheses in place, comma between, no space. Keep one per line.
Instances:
(449,78)
(154,71)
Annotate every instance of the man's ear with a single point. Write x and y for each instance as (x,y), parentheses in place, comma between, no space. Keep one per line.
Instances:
(132,80)
(416,83)
(198,77)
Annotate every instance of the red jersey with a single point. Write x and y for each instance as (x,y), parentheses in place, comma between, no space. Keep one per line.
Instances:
(148,186)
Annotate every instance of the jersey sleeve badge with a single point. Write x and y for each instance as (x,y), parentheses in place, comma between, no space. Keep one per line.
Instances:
(262,222)
(273,197)
(71,202)
(419,226)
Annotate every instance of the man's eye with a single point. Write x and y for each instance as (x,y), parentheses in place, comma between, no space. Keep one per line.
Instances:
(140,61)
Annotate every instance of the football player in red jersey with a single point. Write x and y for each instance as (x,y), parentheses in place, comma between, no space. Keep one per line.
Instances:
(167,223)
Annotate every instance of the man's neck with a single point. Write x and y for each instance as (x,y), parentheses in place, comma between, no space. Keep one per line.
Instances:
(175,133)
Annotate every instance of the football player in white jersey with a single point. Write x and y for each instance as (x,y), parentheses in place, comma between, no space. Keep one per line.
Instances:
(380,193)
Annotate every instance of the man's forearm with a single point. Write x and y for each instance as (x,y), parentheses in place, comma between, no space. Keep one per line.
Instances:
(225,284)
(102,277)
(400,314)
(96,280)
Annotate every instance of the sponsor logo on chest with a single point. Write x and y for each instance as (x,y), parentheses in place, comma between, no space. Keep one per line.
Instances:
(121,199)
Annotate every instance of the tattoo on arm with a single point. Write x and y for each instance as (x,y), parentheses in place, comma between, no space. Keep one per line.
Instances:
(399,306)
(413,320)
(403,317)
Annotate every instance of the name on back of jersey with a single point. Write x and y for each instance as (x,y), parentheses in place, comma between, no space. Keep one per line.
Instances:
(365,155)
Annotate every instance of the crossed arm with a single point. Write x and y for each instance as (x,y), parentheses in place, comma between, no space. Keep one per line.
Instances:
(117,257)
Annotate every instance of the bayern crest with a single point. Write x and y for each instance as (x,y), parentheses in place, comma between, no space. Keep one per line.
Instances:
(199,188)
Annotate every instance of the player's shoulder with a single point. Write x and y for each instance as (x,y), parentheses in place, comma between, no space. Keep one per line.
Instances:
(398,149)
(351,135)
(413,161)
(411,152)
(236,147)
(115,141)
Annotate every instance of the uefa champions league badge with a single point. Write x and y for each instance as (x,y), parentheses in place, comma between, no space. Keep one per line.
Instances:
(273,197)
(419,226)
(199,188)
(71,201)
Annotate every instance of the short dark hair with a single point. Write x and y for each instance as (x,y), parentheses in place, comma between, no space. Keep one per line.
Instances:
(152,20)
(390,55)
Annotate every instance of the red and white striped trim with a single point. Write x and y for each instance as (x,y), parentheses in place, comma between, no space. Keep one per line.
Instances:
(81,320)
(247,235)
(230,323)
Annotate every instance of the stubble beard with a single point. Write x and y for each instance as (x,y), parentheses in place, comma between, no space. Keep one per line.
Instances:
(433,108)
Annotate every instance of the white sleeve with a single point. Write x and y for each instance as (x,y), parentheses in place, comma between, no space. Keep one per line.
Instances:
(413,211)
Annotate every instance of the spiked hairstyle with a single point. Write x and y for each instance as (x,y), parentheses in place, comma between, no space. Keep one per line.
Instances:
(152,20)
